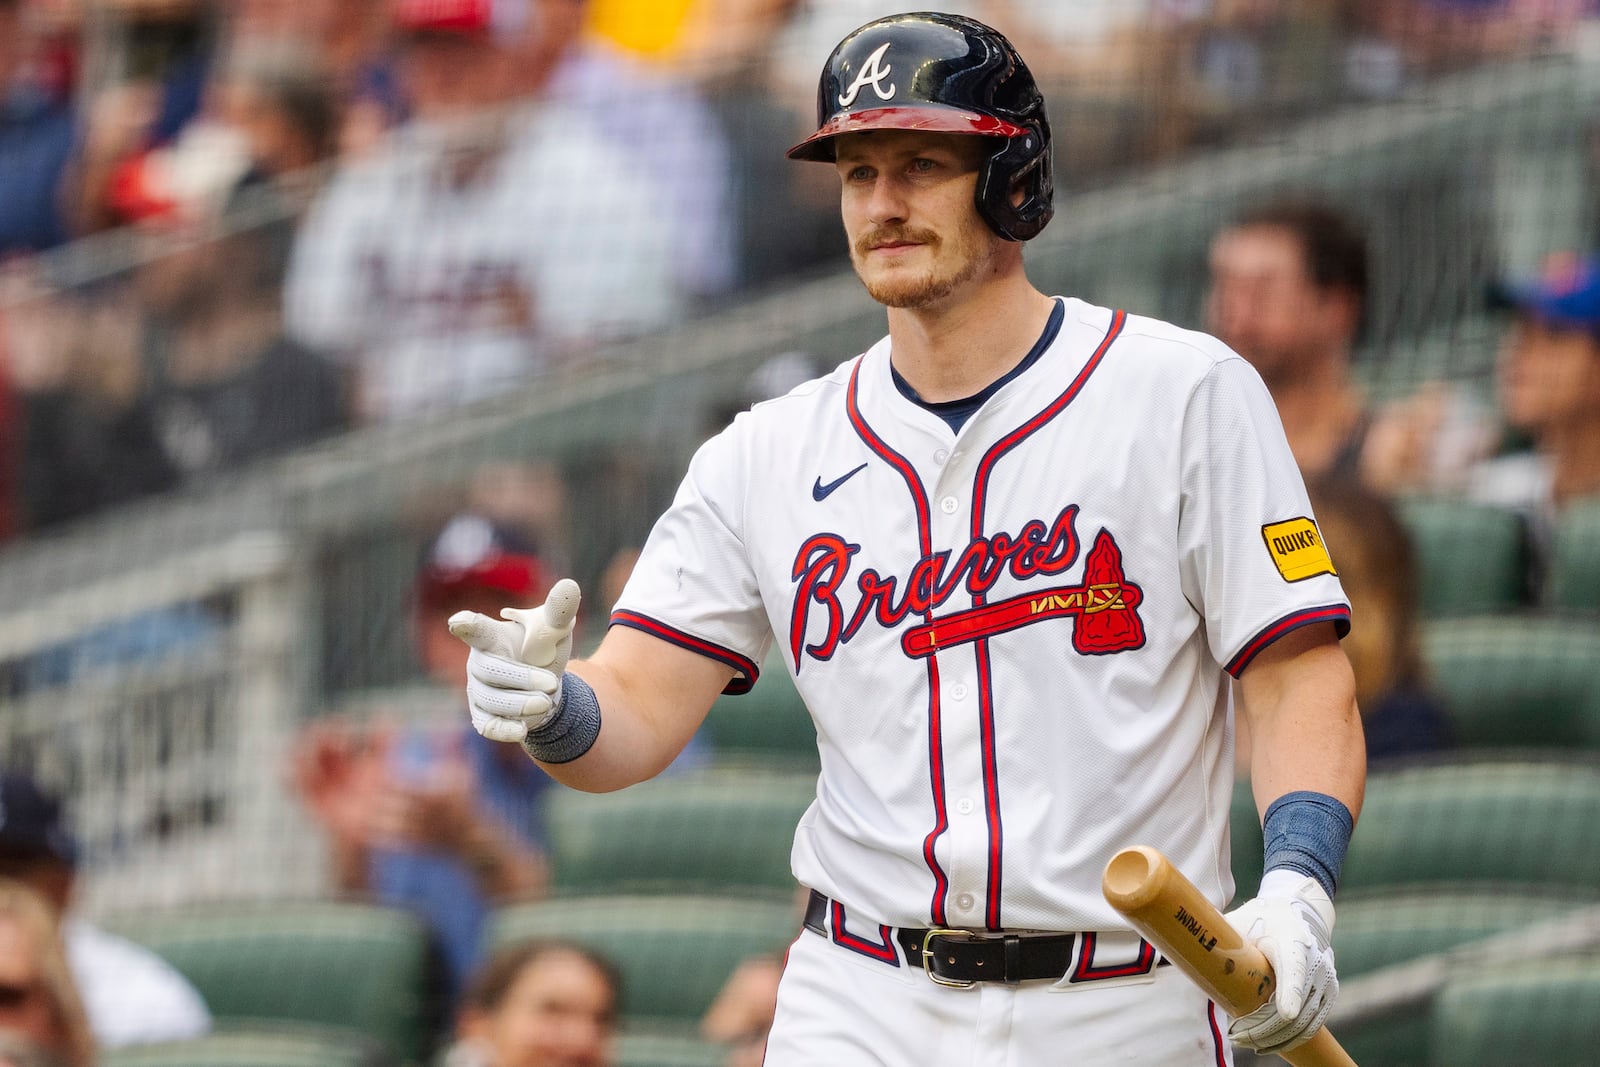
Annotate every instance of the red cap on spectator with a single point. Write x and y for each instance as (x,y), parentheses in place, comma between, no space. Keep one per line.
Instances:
(473,553)
(475,17)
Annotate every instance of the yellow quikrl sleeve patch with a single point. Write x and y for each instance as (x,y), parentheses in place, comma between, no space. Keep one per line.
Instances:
(1297,549)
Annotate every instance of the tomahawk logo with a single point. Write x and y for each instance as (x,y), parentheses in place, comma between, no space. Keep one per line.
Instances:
(872,74)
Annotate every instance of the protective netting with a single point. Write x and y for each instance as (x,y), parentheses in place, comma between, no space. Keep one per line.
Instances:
(320,321)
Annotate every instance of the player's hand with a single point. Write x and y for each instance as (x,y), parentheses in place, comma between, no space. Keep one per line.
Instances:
(1291,921)
(514,671)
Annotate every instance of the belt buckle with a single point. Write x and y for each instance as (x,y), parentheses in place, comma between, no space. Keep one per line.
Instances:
(927,967)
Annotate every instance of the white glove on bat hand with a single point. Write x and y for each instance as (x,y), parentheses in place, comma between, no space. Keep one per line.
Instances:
(1291,921)
(514,671)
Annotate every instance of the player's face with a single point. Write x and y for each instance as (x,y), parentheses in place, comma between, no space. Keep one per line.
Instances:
(907,199)
(1549,377)
(1265,305)
(560,1012)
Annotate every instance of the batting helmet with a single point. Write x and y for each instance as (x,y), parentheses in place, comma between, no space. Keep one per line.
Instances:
(948,74)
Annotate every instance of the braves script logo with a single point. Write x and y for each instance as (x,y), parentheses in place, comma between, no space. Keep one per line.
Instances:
(872,74)
(1103,606)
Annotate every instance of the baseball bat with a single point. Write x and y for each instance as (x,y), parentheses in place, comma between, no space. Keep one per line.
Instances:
(1173,915)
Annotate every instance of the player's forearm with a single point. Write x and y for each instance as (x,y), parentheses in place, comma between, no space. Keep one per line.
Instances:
(1305,727)
(630,747)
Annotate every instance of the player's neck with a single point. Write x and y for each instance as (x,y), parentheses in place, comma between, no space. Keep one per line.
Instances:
(954,350)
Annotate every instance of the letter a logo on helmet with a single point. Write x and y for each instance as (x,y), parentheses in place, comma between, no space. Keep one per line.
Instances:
(872,74)
(956,76)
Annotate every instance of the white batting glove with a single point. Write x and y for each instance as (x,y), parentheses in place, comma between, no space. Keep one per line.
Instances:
(514,671)
(1291,921)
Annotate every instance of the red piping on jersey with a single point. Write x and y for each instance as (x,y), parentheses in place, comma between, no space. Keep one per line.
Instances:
(884,953)
(980,489)
(1216,1035)
(1338,614)
(1086,971)
(919,498)
(746,668)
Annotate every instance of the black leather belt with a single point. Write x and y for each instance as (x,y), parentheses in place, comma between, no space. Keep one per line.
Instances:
(963,957)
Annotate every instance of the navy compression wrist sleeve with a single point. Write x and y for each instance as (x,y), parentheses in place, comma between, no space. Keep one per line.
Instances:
(1308,832)
(572,730)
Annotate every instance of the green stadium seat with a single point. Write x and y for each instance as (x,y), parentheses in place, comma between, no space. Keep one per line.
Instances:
(1244,831)
(356,966)
(768,726)
(714,831)
(1379,928)
(667,1050)
(1543,1013)
(675,952)
(1575,559)
(1531,823)
(283,1045)
(1472,557)
(1517,681)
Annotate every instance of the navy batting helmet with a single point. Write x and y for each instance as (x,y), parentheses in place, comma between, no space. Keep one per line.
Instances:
(949,74)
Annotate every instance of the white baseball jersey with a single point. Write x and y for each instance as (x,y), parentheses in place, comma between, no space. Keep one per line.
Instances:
(444,290)
(1015,640)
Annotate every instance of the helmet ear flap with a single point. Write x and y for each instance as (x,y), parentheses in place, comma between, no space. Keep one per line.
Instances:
(1020,163)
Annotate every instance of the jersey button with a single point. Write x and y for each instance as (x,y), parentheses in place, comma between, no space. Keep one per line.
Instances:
(948,505)
(965,901)
(940,456)
(959,691)
(964,805)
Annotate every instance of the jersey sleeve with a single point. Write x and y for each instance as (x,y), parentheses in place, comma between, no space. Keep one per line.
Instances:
(693,584)
(1252,559)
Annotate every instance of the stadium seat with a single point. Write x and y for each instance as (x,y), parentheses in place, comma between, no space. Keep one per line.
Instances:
(1472,557)
(1245,833)
(360,967)
(667,1050)
(1516,822)
(284,1045)
(1575,559)
(675,952)
(768,726)
(1514,681)
(715,831)
(1380,928)
(1542,1013)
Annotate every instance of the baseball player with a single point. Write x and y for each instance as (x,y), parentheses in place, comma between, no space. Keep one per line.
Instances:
(1017,556)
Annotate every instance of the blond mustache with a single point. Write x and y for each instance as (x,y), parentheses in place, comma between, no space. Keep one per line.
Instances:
(867,241)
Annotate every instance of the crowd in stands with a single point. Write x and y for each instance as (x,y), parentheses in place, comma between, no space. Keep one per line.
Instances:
(342,211)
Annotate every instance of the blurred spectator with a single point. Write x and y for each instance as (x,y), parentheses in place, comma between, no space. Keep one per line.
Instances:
(343,41)
(1549,392)
(223,384)
(131,995)
(743,1011)
(266,119)
(36,140)
(678,140)
(88,436)
(436,819)
(1288,287)
(39,1004)
(161,70)
(482,244)
(1377,565)
(540,1004)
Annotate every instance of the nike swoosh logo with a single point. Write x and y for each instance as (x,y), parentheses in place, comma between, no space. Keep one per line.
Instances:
(820,491)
